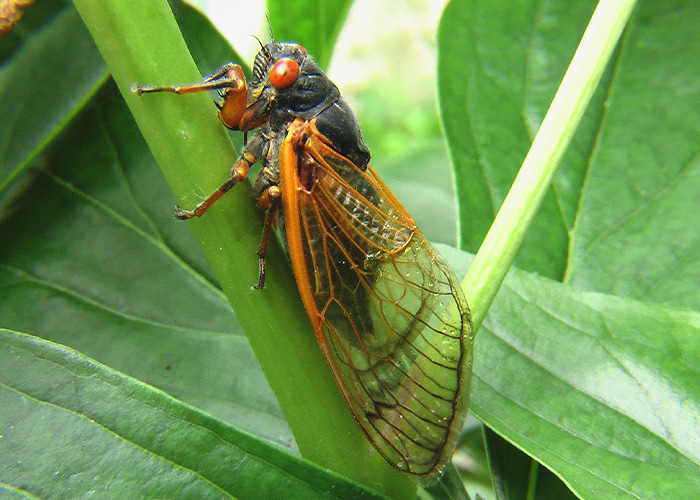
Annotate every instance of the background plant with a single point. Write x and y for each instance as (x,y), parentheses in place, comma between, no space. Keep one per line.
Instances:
(599,386)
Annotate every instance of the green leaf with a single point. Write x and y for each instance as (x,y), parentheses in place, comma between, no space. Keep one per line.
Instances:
(92,247)
(637,233)
(315,24)
(498,68)
(75,428)
(110,272)
(602,390)
(43,88)
(626,196)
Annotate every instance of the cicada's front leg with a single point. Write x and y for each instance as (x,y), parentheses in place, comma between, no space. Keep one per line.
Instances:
(234,99)
(235,114)
(229,80)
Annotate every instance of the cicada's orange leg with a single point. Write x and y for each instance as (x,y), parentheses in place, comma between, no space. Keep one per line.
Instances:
(234,113)
(238,173)
(231,83)
(251,153)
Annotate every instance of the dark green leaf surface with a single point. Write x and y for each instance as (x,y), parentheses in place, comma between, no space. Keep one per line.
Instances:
(516,475)
(313,23)
(88,276)
(42,88)
(602,390)
(110,272)
(76,428)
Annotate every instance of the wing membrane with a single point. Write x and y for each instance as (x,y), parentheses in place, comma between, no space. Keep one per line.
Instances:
(388,312)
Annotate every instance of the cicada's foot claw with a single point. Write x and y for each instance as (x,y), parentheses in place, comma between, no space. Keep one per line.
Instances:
(183,214)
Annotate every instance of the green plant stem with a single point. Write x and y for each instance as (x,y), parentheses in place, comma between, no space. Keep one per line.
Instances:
(506,234)
(141,43)
(532,483)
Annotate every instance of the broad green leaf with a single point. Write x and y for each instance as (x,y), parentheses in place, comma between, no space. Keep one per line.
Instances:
(313,23)
(76,428)
(637,231)
(626,194)
(111,272)
(499,64)
(42,88)
(602,390)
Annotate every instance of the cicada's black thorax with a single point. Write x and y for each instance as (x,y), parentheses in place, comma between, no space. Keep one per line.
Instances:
(312,96)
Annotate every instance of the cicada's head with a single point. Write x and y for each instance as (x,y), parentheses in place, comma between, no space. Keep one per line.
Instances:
(287,83)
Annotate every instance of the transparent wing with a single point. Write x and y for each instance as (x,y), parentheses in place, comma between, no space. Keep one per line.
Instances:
(388,312)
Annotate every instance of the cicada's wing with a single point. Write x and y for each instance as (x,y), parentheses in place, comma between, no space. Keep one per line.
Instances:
(388,312)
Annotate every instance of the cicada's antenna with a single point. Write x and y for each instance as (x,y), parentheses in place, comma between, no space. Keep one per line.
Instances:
(269,27)
(262,47)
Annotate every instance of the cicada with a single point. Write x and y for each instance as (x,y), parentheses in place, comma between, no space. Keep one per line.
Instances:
(388,313)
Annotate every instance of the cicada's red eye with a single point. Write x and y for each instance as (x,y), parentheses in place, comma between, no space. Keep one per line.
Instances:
(284,73)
